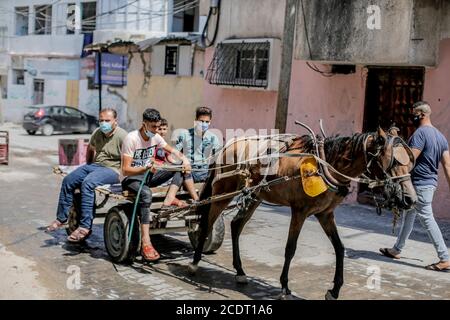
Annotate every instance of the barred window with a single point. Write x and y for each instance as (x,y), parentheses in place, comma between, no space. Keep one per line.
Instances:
(171,65)
(240,64)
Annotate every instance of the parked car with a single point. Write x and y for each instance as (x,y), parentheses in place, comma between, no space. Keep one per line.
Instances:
(50,119)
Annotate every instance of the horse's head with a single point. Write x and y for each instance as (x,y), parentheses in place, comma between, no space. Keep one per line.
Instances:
(391,160)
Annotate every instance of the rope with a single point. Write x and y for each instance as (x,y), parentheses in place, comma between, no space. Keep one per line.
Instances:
(371,182)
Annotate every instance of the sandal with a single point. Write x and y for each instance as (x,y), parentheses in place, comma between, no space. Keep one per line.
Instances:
(149,253)
(55,225)
(179,203)
(386,252)
(435,267)
(79,235)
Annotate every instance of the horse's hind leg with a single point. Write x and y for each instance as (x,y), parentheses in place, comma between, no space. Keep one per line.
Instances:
(237,225)
(297,220)
(329,226)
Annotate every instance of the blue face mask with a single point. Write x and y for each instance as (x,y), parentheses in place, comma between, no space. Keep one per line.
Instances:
(105,127)
(202,126)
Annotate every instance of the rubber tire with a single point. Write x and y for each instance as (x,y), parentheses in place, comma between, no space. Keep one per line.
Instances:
(47,129)
(215,238)
(115,234)
(31,132)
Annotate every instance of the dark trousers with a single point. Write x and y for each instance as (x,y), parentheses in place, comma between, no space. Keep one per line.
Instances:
(133,183)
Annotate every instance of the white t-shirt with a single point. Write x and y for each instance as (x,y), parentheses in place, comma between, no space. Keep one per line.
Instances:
(143,152)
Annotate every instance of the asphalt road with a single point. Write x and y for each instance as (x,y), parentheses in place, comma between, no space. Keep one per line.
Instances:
(44,266)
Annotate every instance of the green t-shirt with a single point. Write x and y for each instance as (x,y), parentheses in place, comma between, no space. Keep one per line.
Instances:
(107,149)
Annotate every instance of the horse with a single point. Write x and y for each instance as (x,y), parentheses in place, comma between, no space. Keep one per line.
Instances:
(379,155)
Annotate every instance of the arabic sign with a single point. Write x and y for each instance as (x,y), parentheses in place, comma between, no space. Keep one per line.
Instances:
(113,69)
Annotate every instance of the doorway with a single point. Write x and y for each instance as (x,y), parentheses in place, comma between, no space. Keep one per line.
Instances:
(38,90)
(390,95)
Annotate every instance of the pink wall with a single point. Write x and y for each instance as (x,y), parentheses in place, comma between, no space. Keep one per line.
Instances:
(239,108)
(339,100)
(437,93)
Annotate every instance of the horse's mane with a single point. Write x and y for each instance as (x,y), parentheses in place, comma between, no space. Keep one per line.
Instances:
(335,146)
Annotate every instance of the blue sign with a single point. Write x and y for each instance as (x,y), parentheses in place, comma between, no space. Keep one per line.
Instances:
(113,69)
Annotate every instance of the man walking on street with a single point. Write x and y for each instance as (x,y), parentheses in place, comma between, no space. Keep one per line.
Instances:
(429,147)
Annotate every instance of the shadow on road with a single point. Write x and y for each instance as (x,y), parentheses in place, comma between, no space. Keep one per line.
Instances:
(211,277)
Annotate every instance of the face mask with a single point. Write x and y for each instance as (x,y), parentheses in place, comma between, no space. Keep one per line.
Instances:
(105,127)
(202,126)
(148,133)
(416,121)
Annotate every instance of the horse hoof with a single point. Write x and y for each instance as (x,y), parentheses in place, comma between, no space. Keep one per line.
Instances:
(329,296)
(283,296)
(242,279)
(192,269)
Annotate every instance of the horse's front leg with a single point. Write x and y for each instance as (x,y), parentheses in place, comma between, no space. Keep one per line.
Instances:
(206,225)
(237,225)
(328,224)
(297,221)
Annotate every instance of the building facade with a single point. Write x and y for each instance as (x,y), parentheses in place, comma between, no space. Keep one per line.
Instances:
(41,48)
(357,65)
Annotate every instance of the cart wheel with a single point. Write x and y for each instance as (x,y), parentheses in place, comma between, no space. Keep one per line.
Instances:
(215,238)
(115,234)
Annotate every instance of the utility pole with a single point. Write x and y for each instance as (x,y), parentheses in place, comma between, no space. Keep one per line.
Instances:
(99,68)
(286,65)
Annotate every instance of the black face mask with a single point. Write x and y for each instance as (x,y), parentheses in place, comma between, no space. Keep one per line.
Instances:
(416,121)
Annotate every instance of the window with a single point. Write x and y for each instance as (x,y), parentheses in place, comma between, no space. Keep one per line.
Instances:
(185,17)
(171,60)
(18,77)
(88,16)
(240,64)
(38,89)
(21,16)
(72,112)
(43,19)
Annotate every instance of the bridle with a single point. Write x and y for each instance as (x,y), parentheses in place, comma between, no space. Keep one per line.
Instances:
(392,193)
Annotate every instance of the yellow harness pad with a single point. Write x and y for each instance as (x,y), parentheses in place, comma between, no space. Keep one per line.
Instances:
(313,184)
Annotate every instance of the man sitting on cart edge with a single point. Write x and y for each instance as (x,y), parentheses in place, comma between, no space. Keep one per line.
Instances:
(102,167)
(138,156)
(198,143)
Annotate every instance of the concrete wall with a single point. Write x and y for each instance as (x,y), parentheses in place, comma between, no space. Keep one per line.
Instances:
(89,101)
(174,96)
(47,45)
(244,108)
(251,18)
(338,100)
(341,32)
(436,92)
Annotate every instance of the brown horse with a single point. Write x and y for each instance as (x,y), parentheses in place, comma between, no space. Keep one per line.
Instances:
(384,155)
